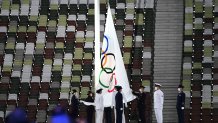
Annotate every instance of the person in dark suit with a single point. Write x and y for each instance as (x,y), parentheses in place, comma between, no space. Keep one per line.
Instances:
(180,104)
(75,104)
(119,105)
(90,109)
(141,103)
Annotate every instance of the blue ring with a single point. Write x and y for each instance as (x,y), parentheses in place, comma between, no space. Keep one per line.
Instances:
(107,45)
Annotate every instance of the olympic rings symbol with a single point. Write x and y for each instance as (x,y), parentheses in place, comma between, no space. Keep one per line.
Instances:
(108,69)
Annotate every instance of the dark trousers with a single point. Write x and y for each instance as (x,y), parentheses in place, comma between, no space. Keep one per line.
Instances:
(89,115)
(142,114)
(119,115)
(75,112)
(180,113)
(107,114)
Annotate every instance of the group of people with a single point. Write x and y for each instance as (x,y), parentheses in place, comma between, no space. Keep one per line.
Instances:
(96,105)
(159,101)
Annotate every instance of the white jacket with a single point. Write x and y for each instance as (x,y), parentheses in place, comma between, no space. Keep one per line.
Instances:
(158,99)
(99,102)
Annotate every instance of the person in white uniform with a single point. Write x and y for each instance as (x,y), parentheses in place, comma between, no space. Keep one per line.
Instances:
(158,103)
(99,106)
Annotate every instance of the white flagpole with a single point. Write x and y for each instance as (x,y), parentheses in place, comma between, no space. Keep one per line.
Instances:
(97,42)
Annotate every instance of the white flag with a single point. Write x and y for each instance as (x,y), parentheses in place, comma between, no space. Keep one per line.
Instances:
(112,70)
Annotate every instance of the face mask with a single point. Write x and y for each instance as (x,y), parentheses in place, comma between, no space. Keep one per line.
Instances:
(77,95)
(155,88)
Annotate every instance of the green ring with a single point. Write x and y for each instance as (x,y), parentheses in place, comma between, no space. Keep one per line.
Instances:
(100,75)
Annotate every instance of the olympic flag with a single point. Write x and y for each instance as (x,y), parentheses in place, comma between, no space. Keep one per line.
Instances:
(111,69)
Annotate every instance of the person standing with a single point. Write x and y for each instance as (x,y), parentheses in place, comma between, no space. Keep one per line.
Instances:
(99,106)
(90,109)
(114,103)
(180,103)
(108,115)
(158,103)
(141,103)
(119,105)
(75,104)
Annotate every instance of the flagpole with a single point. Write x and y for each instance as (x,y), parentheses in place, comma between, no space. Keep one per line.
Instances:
(97,42)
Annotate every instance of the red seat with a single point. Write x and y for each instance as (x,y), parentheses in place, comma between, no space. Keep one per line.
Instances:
(42,28)
(37,70)
(70,35)
(128,33)
(43,104)
(60,39)
(45,86)
(71,23)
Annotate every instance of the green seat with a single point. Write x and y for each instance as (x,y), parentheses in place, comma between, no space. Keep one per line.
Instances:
(40,46)
(128,41)
(206,105)
(126,58)
(197,65)
(12,28)
(198,26)
(78,54)
(15,7)
(139,19)
(25,2)
(76,79)
(28,62)
(91,11)
(188,3)
(208,12)
(84,91)
(89,39)
(187,71)
(54,6)
(32,29)
(188,18)
(66,78)
(188,49)
(215,93)
(5,5)
(57,68)
(67,61)
(62,20)
(10,45)
(35,18)
(146,83)
(65,90)
(18,62)
(198,7)
(42,20)
(77,67)
(216,2)
(88,56)
(52,23)
(208,51)
(22,29)
(7,68)
(59,45)
(48,62)
(80,39)
(130,11)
